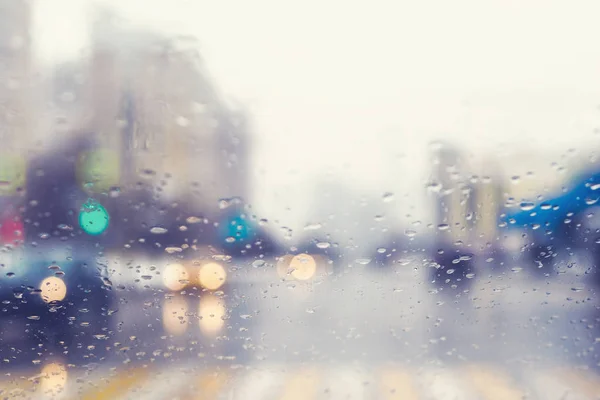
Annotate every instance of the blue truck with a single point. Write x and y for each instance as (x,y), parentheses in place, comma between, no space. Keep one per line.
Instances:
(557,228)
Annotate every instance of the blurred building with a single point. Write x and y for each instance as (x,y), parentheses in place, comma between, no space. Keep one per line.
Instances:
(153,107)
(16,72)
(15,92)
(453,200)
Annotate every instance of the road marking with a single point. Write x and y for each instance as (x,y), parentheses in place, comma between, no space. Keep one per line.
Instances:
(397,383)
(442,384)
(209,384)
(585,382)
(259,383)
(116,385)
(549,386)
(492,384)
(303,384)
(17,385)
(345,382)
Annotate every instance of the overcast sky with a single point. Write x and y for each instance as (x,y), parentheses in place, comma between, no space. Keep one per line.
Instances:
(359,88)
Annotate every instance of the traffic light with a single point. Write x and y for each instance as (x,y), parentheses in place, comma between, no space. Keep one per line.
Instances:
(236,229)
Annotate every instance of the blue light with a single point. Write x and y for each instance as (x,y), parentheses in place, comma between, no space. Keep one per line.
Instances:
(236,229)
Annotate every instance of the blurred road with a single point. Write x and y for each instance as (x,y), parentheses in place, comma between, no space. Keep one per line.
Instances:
(363,334)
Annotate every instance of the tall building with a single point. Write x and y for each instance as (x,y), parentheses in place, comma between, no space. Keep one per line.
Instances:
(15,91)
(153,103)
(453,198)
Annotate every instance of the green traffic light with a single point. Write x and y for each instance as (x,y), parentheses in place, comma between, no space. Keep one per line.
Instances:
(93,218)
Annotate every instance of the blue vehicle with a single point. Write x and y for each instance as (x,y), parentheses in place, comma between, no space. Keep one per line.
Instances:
(554,229)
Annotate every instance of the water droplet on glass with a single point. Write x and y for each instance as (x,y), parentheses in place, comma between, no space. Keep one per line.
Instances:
(527,206)
(34,317)
(595,186)
(381,250)
(313,226)
(443,227)
(363,261)
(323,245)
(388,197)
(410,233)
(157,230)
(258,263)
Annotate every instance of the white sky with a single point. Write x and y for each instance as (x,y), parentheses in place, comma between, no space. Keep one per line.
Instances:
(360,87)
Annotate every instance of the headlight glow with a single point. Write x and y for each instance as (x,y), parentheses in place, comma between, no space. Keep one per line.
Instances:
(514,241)
(303,267)
(212,276)
(53,289)
(174,315)
(175,277)
(211,311)
(53,378)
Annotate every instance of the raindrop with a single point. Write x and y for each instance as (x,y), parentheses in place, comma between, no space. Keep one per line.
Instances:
(157,230)
(313,226)
(323,245)
(545,206)
(363,261)
(516,269)
(450,271)
(34,317)
(381,250)
(595,186)
(410,233)
(230,239)
(258,263)
(527,206)
(10,274)
(590,201)
(434,187)
(388,197)
(443,227)
(470,276)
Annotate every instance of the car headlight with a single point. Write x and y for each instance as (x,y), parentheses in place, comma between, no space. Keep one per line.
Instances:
(514,241)
(211,311)
(175,277)
(303,267)
(53,289)
(212,276)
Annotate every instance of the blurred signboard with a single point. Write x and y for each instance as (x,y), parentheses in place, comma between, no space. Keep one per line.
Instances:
(13,172)
(99,170)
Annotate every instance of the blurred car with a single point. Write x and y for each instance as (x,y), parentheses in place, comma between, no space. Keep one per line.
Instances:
(310,260)
(554,229)
(51,297)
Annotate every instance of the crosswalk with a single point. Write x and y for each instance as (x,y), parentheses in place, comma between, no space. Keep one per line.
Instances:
(306,382)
